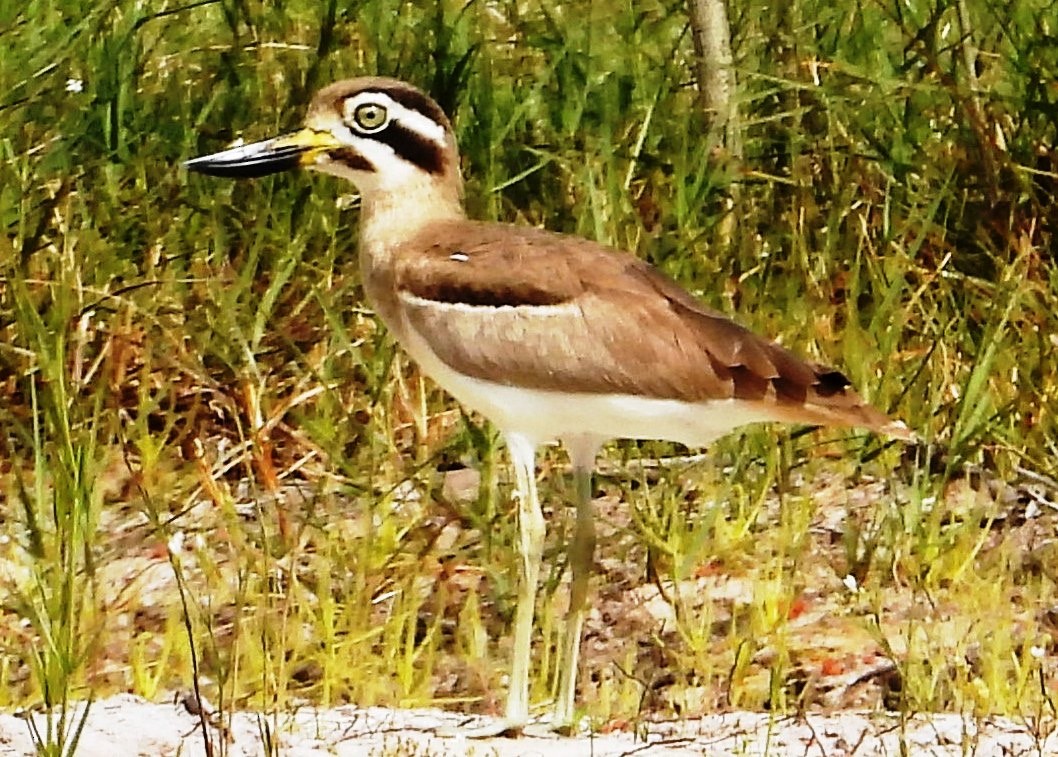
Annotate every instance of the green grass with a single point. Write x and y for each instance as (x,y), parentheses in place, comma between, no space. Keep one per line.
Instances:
(187,363)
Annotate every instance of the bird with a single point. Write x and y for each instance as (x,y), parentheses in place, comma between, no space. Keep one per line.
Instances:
(551,337)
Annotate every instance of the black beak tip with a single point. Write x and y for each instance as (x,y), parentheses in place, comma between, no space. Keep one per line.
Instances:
(247,163)
(201,164)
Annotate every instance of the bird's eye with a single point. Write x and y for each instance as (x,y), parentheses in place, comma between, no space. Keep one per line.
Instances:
(370,117)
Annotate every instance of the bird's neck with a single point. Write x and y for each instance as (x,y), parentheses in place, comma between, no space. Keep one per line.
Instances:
(388,220)
(390,217)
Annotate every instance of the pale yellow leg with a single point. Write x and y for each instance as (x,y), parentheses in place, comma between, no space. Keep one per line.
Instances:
(530,549)
(582,452)
(581,558)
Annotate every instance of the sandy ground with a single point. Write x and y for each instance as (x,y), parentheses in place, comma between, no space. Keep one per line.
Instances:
(127,725)
(846,676)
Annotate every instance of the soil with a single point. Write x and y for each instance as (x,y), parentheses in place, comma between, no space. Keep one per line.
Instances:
(129,725)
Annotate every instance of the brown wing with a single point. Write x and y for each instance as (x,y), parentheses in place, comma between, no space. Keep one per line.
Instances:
(548,311)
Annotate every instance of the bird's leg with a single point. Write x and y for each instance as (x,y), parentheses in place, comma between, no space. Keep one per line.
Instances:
(582,452)
(530,548)
(581,557)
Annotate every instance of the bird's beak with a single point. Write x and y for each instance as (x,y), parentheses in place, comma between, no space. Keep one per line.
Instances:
(302,148)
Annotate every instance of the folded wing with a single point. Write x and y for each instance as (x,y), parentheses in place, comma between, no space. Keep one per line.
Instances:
(534,313)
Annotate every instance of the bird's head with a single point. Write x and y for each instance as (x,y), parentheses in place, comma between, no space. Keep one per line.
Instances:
(383,134)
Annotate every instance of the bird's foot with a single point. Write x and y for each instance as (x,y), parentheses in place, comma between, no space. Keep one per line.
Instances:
(504,727)
(510,728)
(549,729)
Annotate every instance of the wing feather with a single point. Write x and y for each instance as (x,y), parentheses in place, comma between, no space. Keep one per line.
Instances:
(547,311)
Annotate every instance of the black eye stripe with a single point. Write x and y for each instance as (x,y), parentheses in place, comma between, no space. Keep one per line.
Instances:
(413,147)
(352,159)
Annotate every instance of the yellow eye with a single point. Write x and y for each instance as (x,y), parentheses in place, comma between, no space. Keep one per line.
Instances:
(370,116)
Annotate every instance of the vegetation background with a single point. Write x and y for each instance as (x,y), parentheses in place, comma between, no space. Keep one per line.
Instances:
(217,472)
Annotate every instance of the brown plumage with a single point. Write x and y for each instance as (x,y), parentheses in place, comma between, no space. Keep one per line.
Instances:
(630,329)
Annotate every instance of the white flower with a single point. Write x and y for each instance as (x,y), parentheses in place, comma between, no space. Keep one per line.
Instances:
(74,85)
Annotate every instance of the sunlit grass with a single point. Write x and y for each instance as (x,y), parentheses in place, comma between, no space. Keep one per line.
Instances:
(216,466)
